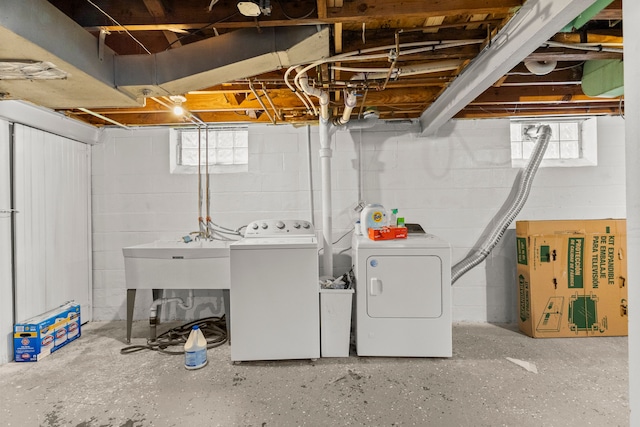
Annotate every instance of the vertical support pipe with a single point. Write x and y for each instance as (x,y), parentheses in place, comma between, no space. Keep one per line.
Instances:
(12,203)
(310,171)
(630,11)
(325,172)
(208,197)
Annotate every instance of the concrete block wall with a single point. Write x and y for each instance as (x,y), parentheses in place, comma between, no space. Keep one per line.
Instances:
(453,184)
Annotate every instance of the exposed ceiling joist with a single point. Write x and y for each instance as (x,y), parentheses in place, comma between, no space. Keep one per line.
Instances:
(218,87)
(536,22)
(156,9)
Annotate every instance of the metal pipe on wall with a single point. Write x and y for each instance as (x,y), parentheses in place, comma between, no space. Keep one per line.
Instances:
(309,167)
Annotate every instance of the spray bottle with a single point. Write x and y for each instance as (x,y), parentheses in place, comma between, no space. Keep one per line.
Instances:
(393,218)
(195,349)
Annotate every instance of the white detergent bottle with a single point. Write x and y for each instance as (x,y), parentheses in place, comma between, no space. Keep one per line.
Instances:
(372,216)
(195,349)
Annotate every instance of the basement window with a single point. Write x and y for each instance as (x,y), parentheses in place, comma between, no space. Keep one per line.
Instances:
(573,142)
(228,150)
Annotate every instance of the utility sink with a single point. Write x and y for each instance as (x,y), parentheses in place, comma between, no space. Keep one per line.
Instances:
(202,264)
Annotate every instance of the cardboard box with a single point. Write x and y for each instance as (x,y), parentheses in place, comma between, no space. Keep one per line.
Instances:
(572,278)
(41,335)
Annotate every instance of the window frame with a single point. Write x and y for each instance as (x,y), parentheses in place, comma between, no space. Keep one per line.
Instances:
(175,153)
(588,142)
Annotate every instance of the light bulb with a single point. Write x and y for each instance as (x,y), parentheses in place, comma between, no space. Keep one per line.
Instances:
(177,108)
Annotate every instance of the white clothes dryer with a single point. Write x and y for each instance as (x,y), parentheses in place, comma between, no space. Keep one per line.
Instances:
(403,296)
(274,292)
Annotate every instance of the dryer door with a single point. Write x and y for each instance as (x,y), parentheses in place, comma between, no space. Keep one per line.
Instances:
(407,286)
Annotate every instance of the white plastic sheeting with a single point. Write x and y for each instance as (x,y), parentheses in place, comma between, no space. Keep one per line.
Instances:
(6,300)
(52,228)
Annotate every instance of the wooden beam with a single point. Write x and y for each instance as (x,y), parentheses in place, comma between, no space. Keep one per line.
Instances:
(483,112)
(156,10)
(535,95)
(235,98)
(474,21)
(565,54)
(364,10)
(169,119)
(321,5)
(566,77)
(612,12)
(609,38)
(432,24)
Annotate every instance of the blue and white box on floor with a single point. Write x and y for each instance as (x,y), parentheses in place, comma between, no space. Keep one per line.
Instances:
(41,335)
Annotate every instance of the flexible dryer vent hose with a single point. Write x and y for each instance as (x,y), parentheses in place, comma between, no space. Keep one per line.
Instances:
(526,180)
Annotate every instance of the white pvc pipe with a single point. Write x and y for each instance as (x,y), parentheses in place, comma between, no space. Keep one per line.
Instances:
(323,97)
(585,46)
(325,170)
(325,173)
(349,105)
(410,70)
(153,310)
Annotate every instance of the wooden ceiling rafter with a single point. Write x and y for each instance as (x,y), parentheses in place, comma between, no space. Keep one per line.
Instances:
(356,25)
(156,9)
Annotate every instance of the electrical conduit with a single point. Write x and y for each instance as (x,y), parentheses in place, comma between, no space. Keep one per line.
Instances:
(526,180)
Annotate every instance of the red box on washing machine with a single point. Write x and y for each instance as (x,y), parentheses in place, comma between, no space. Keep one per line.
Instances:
(388,233)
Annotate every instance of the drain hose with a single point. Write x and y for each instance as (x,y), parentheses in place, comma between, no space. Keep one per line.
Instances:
(526,180)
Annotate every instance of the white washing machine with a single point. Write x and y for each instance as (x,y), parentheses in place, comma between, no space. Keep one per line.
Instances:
(274,292)
(403,296)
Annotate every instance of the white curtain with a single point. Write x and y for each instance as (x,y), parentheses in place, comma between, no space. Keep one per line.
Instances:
(53,244)
(6,284)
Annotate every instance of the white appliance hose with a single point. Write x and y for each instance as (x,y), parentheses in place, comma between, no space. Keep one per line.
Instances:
(526,180)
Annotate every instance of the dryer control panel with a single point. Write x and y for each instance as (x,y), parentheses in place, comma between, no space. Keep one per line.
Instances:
(279,227)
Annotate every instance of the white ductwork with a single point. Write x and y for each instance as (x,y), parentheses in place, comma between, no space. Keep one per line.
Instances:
(540,68)
(98,78)
(34,30)
(236,55)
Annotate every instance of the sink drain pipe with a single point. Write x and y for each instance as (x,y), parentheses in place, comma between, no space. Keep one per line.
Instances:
(153,311)
(526,180)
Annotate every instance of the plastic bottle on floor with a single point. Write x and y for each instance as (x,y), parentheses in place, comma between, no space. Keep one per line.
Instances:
(195,349)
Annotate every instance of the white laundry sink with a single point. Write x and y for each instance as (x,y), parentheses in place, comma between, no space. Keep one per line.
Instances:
(202,264)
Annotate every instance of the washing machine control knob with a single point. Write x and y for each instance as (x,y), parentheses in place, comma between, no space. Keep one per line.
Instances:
(306,225)
(265,225)
(296,225)
(255,226)
(280,225)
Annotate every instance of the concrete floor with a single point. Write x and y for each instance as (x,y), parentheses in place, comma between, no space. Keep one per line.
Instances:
(578,382)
